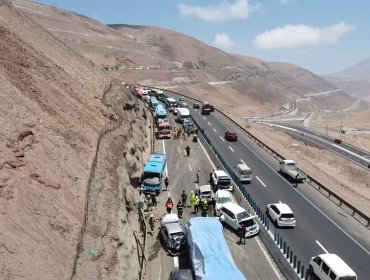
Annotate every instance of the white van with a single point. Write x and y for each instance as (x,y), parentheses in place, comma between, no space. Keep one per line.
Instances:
(243,172)
(330,267)
(235,216)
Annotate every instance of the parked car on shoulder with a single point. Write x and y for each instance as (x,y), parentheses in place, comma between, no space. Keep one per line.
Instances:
(222,197)
(236,215)
(231,136)
(281,215)
(173,235)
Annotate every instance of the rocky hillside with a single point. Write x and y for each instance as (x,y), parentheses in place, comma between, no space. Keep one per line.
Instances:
(51,113)
(161,57)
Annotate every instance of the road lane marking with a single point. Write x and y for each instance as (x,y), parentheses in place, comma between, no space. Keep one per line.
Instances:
(231,149)
(164,152)
(312,204)
(280,201)
(222,138)
(215,130)
(190,167)
(261,181)
(209,124)
(176,262)
(322,247)
(243,161)
(213,165)
(204,117)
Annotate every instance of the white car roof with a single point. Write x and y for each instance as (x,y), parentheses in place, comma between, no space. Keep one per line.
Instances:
(288,161)
(170,218)
(283,208)
(336,264)
(223,193)
(205,188)
(233,207)
(220,173)
(243,166)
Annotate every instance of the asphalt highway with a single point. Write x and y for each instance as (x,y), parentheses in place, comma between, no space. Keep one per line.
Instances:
(251,259)
(320,226)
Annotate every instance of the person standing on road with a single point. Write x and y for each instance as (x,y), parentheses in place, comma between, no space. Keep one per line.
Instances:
(154,200)
(204,208)
(180,208)
(210,176)
(184,197)
(187,150)
(166,183)
(169,205)
(149,202)
(222,220)
(213,206)
(192,199)
(196,205)
(197,175)
(242,232)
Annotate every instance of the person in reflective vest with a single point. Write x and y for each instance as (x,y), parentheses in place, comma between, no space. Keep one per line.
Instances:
(180,208)
(204,208)
(169,205)
(192,199)
(196,204)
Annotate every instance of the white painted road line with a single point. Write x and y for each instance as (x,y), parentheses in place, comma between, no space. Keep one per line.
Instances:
(176,262)
(322,247)
(209,124)
(215,130)
(261,181)
(190,167)
(205,152)
(204,117)
(164,152)
(242,161)
(231,149)
(222,138)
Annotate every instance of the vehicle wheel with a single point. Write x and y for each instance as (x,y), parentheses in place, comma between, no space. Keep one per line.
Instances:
(276,223)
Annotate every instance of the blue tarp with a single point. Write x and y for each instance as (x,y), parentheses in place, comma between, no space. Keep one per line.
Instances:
(209,253)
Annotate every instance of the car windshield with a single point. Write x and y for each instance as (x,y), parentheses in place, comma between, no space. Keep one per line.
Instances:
(287,216)
(242,215)
(206,194)
(246,172)
(150,175)
(224,182)
(222,200)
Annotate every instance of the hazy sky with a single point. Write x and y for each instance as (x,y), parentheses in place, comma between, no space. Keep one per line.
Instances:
(323,36)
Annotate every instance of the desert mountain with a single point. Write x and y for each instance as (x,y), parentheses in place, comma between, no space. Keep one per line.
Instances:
(54,104)
(157,56)
(355,79)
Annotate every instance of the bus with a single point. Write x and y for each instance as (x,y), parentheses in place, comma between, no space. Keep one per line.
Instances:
(153,103)
(160,112)
(153,174)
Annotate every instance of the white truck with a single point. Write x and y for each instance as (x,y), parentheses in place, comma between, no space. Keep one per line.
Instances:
(288,167)
(182,113)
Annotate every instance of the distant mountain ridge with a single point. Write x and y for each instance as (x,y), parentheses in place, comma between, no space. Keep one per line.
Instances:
(161,57)
(360,70)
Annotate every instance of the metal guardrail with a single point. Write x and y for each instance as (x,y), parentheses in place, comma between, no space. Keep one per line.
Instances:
(356,213)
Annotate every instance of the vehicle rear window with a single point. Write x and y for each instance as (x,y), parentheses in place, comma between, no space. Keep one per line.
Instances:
(287,216)
(246,172)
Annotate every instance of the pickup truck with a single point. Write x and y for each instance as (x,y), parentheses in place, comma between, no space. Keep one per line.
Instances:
(288,167)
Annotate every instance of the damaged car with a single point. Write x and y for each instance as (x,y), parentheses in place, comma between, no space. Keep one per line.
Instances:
(173,235)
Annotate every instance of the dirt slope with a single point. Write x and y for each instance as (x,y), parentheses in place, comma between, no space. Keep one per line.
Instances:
(51,115)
